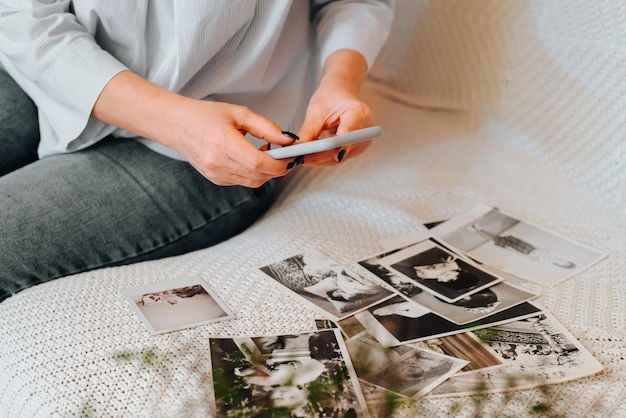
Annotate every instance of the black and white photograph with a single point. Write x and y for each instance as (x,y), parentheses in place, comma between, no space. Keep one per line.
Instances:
(539,350)
(465,346)
(177,304)
(514,246)
(399,321)
(439,271)
(327,286)
(476,306)
(404,370)
(300,375)
(397,281)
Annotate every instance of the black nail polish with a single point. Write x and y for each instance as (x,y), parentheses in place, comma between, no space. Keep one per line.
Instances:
(291,135)
(291,165)
(341,154)
(299,160)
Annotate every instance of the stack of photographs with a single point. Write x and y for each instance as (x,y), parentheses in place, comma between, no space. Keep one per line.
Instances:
(440,312)
(443,307)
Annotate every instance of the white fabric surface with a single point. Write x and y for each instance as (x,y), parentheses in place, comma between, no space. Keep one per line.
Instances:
(519,104)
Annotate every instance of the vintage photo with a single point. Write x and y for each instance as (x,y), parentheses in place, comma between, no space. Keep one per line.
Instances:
(329,287)
(300,375)
(508,244)
(538,350)
(466,346)
(476,306)
(399,282)
(399,321)
(439,271)
(177,304)
(404,370)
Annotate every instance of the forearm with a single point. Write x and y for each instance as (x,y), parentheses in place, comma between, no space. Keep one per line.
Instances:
(345,69)
(132,103)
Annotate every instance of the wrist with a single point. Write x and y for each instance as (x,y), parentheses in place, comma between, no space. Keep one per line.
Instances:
(134,104)
(345,69)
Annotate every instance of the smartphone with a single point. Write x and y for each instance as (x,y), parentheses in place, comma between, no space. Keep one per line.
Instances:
(326,144)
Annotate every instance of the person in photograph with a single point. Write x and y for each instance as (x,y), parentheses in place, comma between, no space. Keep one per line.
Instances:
(315,276)
(442,273)
(483,301)
(137,130)
(170,297)
(290,369)
(151,299)
(447,273)
(521,247)
(347,291)
(396,281)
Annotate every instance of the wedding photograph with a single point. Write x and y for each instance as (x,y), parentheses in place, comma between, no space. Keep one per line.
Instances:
(506,243)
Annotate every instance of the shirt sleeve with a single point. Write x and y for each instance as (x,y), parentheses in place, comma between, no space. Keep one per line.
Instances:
(56,62)
(362,26)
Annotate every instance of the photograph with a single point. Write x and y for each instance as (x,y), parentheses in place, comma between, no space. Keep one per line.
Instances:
(399,321)
(404,370)
(539,351)
(476,306)
(351,327)
(439,271)
(327,286)
(300,375)
(397,281)
(177,304)
(491,237)
(466,346)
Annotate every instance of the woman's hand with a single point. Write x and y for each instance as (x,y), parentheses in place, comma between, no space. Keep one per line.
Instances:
(210,135)
(335,107)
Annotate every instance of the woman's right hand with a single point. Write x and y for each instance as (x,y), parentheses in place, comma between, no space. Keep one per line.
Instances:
(210,135)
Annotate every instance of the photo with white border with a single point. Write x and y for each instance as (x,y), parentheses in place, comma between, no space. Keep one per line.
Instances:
(176,304)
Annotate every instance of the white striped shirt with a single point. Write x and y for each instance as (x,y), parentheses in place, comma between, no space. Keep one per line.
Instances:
(254,53)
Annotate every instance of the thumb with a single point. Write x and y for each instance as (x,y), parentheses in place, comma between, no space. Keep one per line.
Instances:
(311,127)
(349,122)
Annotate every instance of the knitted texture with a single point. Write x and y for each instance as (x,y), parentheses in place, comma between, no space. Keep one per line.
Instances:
(527,97)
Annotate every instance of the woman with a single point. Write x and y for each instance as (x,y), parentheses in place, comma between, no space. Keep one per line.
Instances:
(130,131)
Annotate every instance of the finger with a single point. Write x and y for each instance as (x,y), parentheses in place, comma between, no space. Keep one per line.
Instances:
(248,121)
(249,161)
(312,126)
(234,174)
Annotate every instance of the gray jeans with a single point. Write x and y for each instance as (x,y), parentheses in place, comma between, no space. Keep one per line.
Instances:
(114,203)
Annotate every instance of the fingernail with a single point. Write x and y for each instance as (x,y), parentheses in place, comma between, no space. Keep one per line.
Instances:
(291,135)
(269,146)
(341,154)
(297,161)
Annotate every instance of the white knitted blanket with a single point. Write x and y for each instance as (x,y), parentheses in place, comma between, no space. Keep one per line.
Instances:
(516,104)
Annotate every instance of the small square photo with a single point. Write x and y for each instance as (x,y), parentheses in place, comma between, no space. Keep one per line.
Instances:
(176,304)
